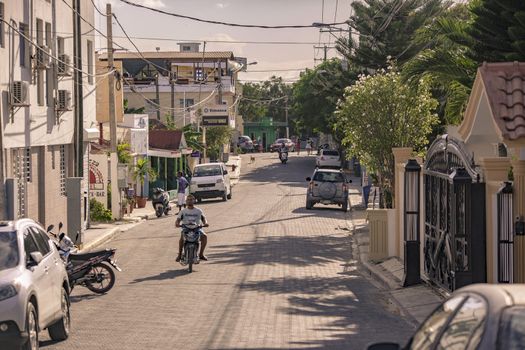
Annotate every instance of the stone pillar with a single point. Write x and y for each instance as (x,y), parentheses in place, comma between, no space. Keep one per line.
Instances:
(401,156)
(519,210)
(496,172)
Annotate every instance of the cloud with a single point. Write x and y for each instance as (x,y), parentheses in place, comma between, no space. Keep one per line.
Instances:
(222,5)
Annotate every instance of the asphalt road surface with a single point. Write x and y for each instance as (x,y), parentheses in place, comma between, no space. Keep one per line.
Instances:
(278,277)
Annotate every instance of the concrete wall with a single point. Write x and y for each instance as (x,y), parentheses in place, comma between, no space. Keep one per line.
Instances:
(103,94)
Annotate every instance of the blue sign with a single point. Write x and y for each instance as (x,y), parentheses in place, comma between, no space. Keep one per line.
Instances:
(196,154)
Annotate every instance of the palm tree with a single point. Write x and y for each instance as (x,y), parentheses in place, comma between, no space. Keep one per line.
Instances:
(141,170)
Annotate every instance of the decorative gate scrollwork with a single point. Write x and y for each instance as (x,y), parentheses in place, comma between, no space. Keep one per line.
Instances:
(454,244)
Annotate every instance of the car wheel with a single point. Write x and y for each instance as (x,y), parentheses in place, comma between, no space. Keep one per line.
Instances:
(199,200)
(309,205)
(32,328)
(345,206)
(60,330)
(224,196)
(229,196)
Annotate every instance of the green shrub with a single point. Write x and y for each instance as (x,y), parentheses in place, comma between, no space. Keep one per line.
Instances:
(97,212)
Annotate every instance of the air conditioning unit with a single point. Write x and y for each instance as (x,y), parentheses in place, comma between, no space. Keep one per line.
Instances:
(64,100)
(43,60)
(64,65)
(19,94)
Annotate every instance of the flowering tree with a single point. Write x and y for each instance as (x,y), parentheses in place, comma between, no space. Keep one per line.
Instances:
(380,112)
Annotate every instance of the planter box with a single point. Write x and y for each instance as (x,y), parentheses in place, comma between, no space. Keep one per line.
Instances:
(382,233)
(141,201)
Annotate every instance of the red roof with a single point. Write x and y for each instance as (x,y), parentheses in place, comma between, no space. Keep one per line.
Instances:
(166,139)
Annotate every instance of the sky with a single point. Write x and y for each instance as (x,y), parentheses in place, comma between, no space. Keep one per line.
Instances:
(143,23)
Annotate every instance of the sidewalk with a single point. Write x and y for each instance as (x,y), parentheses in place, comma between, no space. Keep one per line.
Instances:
(100,233)
(415,302)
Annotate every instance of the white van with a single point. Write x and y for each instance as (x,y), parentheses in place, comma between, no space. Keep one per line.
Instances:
(211,180)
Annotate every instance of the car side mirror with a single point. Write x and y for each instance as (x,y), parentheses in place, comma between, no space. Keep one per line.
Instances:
(36,258)
(308,179)
(49,228)
(225,172)
(349,181)
(384,346)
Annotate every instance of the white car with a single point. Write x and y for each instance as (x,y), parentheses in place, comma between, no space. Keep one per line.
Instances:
(211,180)
(329,159)
(34,287)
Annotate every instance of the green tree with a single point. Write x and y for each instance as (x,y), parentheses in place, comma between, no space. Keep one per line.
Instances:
(498,29)
(192,137)
(124,153)
(380,112)
(216,137)
(128,110)
(316,94)
(445,60)
(141,170)
(386,29)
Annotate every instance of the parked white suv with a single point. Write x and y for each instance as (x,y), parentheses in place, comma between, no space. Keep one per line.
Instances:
(211,180)
(34,288)
(328,158)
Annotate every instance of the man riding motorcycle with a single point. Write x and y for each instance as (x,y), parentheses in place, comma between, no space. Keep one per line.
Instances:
(192,215)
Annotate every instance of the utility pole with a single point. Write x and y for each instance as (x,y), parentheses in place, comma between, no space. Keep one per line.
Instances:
(286,116)
(157,94)
(172,85)
(78,91)
(115,191)
(325,49)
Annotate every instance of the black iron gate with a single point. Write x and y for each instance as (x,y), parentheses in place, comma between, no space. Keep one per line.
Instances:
(455,240)
(505,234)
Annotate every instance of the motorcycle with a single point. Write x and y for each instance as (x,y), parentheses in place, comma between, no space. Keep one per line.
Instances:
(161,202)
(91,270)
(191,236)
(283,156)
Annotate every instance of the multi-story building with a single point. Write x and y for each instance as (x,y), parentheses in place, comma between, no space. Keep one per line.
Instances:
(38,124)
(173,85)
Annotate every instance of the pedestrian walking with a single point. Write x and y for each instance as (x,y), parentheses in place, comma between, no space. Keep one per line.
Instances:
(309,146)
(182,184)
(366,185)
(298,146)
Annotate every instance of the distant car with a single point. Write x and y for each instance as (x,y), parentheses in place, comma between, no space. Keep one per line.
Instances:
(34,287)
(245,143)
(327,186)
(279,142)
(481,317)
(328,158)
(211,180)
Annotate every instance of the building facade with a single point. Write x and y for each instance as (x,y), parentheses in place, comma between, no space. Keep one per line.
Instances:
(39,141)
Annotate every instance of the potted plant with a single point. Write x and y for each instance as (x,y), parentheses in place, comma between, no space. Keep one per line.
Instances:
(141,170)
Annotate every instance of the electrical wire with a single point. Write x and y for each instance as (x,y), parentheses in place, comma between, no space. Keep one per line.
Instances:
(228,23)
(96,8)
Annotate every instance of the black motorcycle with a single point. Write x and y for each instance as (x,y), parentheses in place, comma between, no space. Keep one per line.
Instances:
(191,236)
(161,202)
(93,270)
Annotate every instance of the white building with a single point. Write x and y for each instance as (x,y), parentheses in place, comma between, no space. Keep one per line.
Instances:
(37,108)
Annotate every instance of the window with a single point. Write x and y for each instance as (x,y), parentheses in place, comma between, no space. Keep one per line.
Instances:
(40,73)
(2,27)
(9,248)
(48,34)
(29,244)
(41,242)
(39,32)
(430,329)
(330,153)
(186,48)
(512,329)
(199,74)
(466,328)
(24,45)
(90,61)
(329,177)
(189,102)
(63,172)
(60,45)
(28,173)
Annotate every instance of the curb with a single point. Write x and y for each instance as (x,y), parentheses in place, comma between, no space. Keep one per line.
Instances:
(101,240)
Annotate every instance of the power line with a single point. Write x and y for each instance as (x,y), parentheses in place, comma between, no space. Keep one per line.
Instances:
(275,70)
(228,23)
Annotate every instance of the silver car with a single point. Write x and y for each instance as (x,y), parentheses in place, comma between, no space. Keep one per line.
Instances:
(327,186)
(34,288)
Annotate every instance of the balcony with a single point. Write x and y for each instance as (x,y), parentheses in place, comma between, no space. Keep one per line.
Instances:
(147,85)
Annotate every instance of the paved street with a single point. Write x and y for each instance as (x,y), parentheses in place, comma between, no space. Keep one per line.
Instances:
(279,276)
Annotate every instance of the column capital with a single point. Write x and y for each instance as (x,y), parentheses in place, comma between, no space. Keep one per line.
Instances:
(495,168)
(402,154)
(518,166)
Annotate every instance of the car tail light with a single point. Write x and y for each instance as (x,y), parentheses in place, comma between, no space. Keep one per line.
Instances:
(311,185)
(345,188)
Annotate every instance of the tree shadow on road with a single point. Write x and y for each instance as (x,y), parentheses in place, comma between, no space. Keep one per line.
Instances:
(286,250)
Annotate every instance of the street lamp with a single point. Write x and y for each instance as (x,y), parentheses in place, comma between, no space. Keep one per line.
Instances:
(411,223)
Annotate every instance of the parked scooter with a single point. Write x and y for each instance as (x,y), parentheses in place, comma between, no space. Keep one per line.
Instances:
(161,202)
(91,270)
(191,236)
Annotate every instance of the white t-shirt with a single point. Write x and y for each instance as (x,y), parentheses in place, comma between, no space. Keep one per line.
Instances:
(190,216)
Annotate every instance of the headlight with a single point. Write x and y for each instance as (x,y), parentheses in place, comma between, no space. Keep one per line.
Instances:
(219,181)
(8,291)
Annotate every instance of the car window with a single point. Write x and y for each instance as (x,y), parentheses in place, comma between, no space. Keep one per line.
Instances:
(427,334)
(29,244)
(41,242)
(512,329)
(465,329)
(207,170)
(329,177)
(330,153)
(9,255)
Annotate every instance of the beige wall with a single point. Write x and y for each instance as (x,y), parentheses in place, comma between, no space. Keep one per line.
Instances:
(103,94)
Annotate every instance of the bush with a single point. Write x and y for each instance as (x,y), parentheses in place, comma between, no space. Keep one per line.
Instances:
(97,212)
